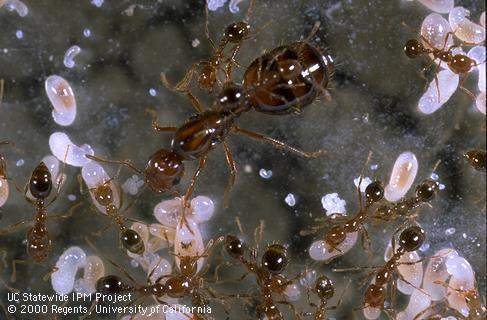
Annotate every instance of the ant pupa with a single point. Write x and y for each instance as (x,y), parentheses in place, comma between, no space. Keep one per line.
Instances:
(185,283)
(288,78)
(106,199)
(477,159)
(268,273)
(207,71)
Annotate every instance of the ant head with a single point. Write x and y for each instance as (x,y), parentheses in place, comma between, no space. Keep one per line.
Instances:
(412,238)
(237,32)
(132,241)
(477,159)
(375,296)
(461,64)
(413,48)
(275,258)
(426,190)
(110,285)
(188,265)
(374,192)
(324,288)
(234,246)
(230,94)
(40,184)
(103,194)
(164,170)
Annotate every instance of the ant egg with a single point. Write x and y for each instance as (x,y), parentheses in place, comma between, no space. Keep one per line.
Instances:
(72,52)
(292,292)
(93,270)
(321,251)
(15,5)
(458,267)
(62,99)
(402,176)
(203,209)
(418,302)
(94,175)
(440,6)
(436,272)
(233,6)
(67,266)
(132,185)
(97,3)
(477,53)
(333,204)
(465,29)
(435,29)
(372,313)
(481,101)
(308,279)
(167,212)
(59,143)
(188,241)
(447,85)
(159,267)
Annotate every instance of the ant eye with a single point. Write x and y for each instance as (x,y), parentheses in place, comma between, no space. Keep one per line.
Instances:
(426,190)
(412,238)
(132,241)
(324,287)
(234,246)
(413,48)
(236,32)
(275,259)
(374,192)
(40,184)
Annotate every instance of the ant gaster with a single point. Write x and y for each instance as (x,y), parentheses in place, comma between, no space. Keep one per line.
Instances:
(477,159)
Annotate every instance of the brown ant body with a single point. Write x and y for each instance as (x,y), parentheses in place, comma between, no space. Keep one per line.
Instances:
(185,283)
(268,273)
(324,290)
(425,192)
(477,159)
(38,240)
(410,240)
(129,238)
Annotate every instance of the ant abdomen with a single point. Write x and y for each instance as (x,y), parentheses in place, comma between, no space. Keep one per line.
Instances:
(40,184)
(38,243)
(132,241)
(111,284)
(196,137)
(164,170)
(288,78)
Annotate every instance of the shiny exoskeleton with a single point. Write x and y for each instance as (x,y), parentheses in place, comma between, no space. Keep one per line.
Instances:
(458,63)
(425,192)
(288,78)
(410,240)
(324,289)
(185,283)
(129,238)
(477,159)
(268,273)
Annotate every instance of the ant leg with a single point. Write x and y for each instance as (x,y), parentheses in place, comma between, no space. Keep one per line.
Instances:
(259,234)
(232,176)
(62,215)
(102,231)
(314,30)
(181,86)
(155,124)
(12,228)
(291,306)
(126,163)
(277,144)
(48,274)
(207,27)
(366,243)
(13,277)
(192,184)
(195,102)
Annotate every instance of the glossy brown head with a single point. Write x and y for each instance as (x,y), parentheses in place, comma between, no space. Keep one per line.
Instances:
(132,241)
(412,238)
(324,288)
(426,190)
(413,48)
(236,32)
(234,246)
(374,192)
(103,194)
(111,285)
(461,64)
(375,296)
(40,184)
(275,258)
(477,159)
(164,170)
(188,265)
